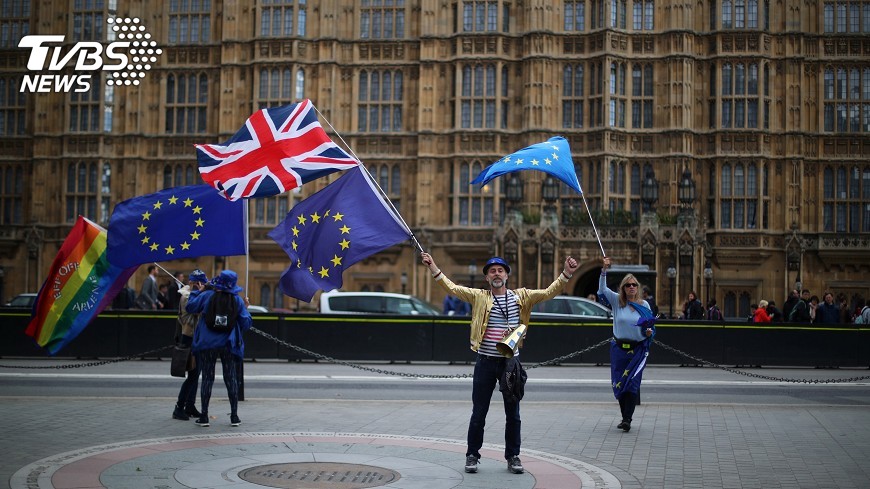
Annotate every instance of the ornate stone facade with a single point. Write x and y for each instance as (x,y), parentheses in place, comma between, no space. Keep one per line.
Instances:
(766,107)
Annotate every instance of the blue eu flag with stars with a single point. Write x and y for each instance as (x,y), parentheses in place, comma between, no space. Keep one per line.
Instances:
(175,223)
(328,232)
(552,157)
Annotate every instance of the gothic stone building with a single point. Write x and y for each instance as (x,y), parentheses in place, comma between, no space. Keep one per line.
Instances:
(723,144)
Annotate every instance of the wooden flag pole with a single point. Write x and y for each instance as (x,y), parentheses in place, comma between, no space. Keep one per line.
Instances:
(593,224)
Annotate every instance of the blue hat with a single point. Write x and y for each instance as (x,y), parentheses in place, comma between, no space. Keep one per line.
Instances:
(226,282)
(496,261)
(197,276)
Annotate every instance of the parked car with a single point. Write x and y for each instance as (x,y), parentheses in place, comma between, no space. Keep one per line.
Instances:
(22,300)
(338,302)
(568,306)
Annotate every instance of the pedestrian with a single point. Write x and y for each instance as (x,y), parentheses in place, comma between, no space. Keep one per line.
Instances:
(774,312)
(173,292)
(752,308)
(219,331)
(693,310)
(494,312)
(846,312)
(713,312)
(633,326)
(185,326)
(148,293)
(760,314)
(802,312)
(828,312)
(648,297)
(793,298)
(163,296)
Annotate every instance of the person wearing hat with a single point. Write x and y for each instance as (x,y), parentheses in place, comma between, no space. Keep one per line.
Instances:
(210,343)
(493,312)
(184,328)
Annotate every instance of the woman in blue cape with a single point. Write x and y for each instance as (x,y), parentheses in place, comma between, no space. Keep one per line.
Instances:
(633,328)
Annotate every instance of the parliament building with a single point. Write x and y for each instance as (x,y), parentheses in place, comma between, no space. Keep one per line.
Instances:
(722,147)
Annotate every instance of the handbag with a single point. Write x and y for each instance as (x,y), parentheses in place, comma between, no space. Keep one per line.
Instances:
(182,361)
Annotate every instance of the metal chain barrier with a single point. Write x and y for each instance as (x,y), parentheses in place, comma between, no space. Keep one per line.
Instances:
(554,361)
(92,364)
(759,376)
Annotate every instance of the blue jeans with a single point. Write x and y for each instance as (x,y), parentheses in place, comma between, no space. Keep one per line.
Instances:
(487,371)
(187,394)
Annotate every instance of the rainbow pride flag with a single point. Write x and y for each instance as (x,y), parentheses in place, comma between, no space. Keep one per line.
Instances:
(80,284)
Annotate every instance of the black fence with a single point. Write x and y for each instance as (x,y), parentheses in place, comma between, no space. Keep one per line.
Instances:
(445,339)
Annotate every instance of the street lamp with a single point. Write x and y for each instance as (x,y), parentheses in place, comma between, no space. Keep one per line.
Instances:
(472,272)
(550,193)
(649,191)
(686,190)
(404,281)
(514,190)
(708,277)
(672,278)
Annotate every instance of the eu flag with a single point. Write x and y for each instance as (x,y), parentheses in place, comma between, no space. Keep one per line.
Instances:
(328,232)
(552,156)
(175,223)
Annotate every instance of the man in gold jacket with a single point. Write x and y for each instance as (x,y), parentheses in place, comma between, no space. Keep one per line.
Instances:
(494,312)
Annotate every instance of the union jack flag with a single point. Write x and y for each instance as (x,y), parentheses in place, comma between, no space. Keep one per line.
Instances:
(278,149)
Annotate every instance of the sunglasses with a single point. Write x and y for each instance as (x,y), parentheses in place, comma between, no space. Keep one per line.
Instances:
(630,285)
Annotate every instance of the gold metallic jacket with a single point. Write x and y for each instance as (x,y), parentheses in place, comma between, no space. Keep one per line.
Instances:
(481,302)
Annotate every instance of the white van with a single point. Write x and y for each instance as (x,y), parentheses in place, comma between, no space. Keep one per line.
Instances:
(338,302)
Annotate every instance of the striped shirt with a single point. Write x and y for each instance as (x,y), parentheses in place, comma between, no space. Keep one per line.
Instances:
(505,313)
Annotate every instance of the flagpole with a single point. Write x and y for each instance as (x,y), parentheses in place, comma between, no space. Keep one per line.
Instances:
(247,250)
(167,273)
(372,180)
(593,224)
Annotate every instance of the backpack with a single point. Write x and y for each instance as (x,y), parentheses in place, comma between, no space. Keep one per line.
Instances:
(860,319)
(714,314)
(221,312)
(792,315)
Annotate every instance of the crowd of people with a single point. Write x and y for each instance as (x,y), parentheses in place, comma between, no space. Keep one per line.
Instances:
(804,307)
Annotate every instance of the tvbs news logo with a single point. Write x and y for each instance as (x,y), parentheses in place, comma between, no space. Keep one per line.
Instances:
(125,61)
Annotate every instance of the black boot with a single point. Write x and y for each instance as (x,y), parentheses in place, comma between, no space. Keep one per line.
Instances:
(179,413)
(191,411)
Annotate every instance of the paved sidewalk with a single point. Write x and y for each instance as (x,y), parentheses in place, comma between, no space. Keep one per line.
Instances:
(80,442)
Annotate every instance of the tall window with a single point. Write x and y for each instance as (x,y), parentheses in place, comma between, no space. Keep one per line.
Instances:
(847,99)
(744,201)
(84,108)
(480,95)
(734,306)
(642,15)
(617,13)
(12,107)
(88,20)
(382,19)
(483,16)
(88,187)
(473,204)
(596,93)
(847,17)
(282,18)
(380,100)
(14,22)
(389,177)
(575,15)
(846,202)
(739,92)
(11,194)
(740,14)
(617,94)
(641,96)
(280,86)
(186,103)
(572,96)
(179,175)
(272,210)
(189,21)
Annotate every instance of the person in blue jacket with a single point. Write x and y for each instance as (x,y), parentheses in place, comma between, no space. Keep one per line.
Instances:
(633,327)
(210,344)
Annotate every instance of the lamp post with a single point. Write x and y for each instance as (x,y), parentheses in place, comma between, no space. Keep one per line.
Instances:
(404,280)
(514,190)
(472,271)
(672,278)
(550,193)
(686,190)
(708,277)
(649,191)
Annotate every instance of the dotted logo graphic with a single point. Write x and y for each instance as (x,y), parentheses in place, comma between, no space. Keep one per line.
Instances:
(143,51)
